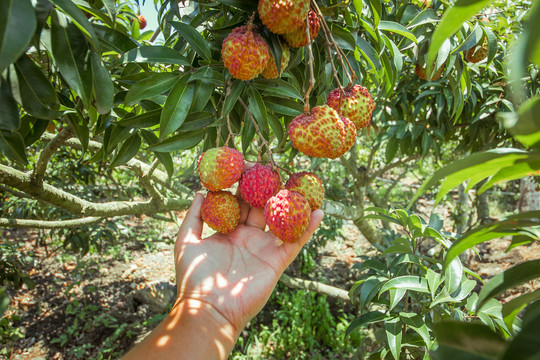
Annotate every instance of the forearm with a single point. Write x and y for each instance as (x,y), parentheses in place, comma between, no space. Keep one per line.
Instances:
(193,330)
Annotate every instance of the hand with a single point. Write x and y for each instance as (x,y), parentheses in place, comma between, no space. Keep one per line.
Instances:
(234,273)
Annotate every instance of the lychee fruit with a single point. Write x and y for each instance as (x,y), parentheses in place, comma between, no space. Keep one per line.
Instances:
(355,103)
(287,215)
(219,168)
(270,71)
(142,21)
(309,186)
(421,71)
(350,135)
(477,53)
(221,211)
(258,184)
(283,16)
(319,134)
(298,37)
(245,53)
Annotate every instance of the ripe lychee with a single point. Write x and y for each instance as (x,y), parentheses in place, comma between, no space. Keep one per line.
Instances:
(421,71)
(477,53)
(283,16)
(258,184)
(356,103)
(287,215)
(245,53)
(219,168)
(270,71)
(309,186)
(298,37)
(142,21)
(350,134)
(319,134)
(221,211)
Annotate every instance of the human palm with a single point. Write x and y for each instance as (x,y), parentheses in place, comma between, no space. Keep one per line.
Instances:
(236,272)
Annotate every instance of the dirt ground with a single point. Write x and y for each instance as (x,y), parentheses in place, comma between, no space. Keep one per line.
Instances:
(89,298)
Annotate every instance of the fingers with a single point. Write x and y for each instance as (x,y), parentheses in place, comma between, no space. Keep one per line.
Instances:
(255,218)
(192,224)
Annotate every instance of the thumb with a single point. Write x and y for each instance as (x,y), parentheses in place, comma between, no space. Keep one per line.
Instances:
(192,224)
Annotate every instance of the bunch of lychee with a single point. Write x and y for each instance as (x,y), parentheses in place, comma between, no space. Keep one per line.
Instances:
(287,209)
(245,53)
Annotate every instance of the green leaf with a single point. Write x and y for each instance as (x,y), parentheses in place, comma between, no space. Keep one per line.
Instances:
(197,121)
(103,85)
(526,126)
(258,110)
(277,87)
(164,157)
(365,319)
(194,38)
(508,279)
(80,126)
(512,308)
(524,346)
(416,322)
(35,131)
(151,85)
(467,339)
(17,26)
(369,53)
(368,290)
(393,331)
(34,90)
(284,106)
(12,146)
(409,282)
(453,274)
(155,54)
(80,20)
(71,54)
(277,127)
(451,21)
(236,90)
(127,151)
(398,29)
(176,107)
(376,10)
(114,40)
(182,141)
(144,120)
(358,6)
(9,112)
(4,302)
(343,37)
(395,296)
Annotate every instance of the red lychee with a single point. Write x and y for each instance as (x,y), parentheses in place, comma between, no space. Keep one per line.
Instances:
(283,16)
(298,37)
(219,168)
(270,71)
(356,103)
(258,184)
(221,211)
(142,21)
(287,215)
(245,53)
(350,135)
(309,186)
(319,134)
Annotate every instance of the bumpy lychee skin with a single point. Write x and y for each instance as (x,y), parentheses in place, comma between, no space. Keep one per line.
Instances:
(142,21)
(244,53)
(270,71)
(356,104)
(309,186)
(319,134)
(283,16)
(219,168)
(421,71)
(298,37)
(287,215)
(350,135)
(477,53)
(258,184)
(221,211)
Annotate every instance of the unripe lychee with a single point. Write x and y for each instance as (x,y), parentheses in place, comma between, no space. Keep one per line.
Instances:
(270,71)
(283,16)
(219,168)
(142,21)
(319,134)
(477,53)
(421,71)
(350,134)
(356,103)
(221,211)
(298,37)
(258,184)
(309,186)
(245,53)
(287,215)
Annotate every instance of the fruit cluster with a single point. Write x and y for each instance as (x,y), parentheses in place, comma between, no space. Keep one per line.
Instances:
(287,209)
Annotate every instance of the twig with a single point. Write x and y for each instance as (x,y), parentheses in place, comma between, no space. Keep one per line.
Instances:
(44,224)
(315,286)
(390,167)
(310,64)
(45,156)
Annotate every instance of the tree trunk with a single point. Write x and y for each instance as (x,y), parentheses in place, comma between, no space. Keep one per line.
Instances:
(529,197)
(462,210)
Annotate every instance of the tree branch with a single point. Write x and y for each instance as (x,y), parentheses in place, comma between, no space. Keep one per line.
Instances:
(341,211)
(46,154)
(318,287)
(44,224)
(390,167)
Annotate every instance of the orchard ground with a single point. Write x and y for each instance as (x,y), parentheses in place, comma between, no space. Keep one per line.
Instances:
(95,306)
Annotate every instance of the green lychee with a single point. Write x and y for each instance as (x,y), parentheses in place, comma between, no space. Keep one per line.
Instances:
(309,186)
(219,168)
(287,215)
(221,211)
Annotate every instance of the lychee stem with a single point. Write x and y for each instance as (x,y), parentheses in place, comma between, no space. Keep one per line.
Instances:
(310,64)
(250,21)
